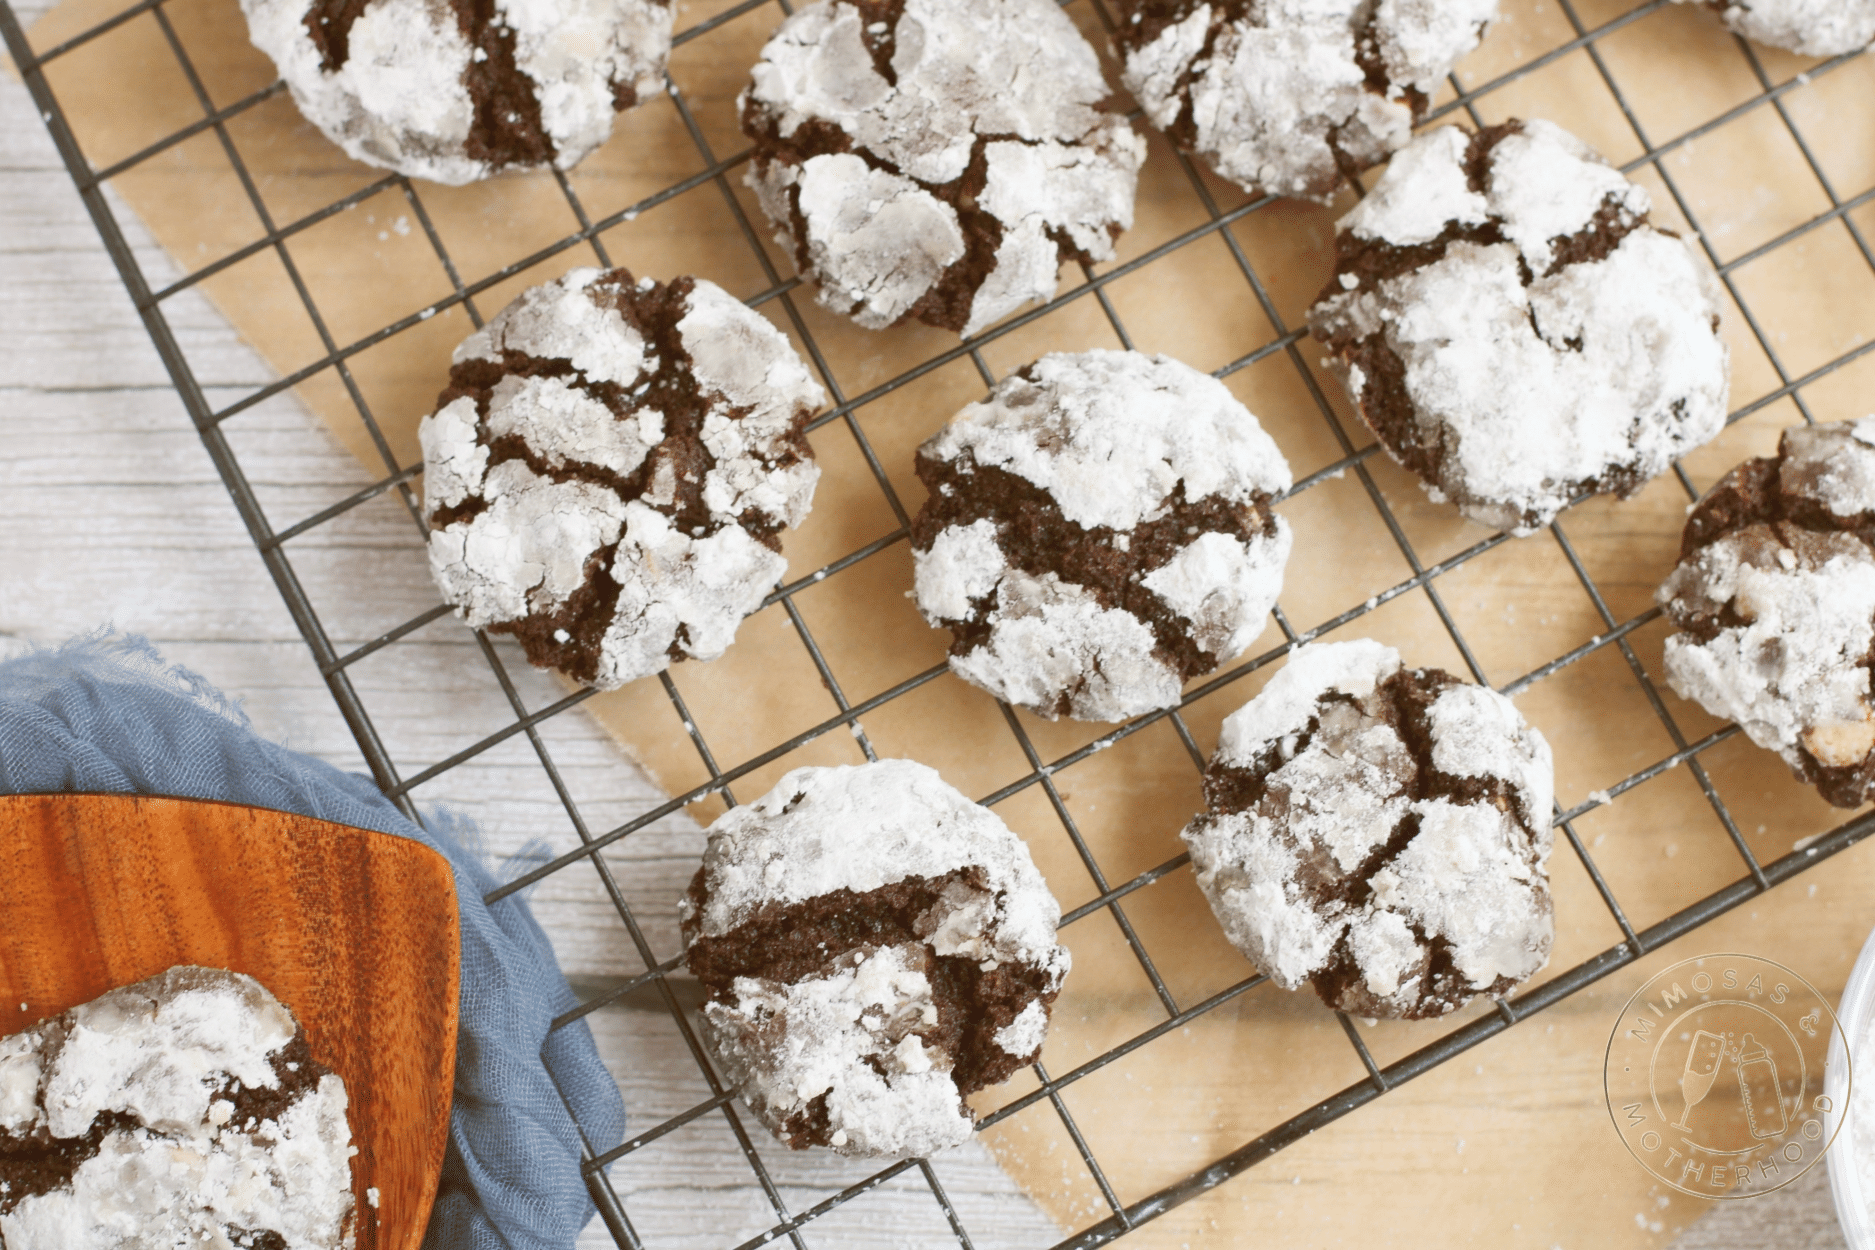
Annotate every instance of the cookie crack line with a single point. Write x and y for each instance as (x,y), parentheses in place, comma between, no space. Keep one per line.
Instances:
(1040,540)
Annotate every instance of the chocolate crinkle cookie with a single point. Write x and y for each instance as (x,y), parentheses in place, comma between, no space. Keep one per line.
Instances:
(184,1110)
(1774,597)
(1098,533)
(1811,27)
(456,90)
(1514,331)
(608,472)
(1380,832)
(875,947)
(1291,97)
(937,159)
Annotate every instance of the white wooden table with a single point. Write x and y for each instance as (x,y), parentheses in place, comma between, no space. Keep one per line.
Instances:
(110,513)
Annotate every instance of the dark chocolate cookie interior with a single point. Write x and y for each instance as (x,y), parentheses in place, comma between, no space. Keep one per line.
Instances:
(786,943)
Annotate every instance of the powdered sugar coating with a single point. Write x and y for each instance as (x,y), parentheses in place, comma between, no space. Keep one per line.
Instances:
(861,827)
(846,1036)
(695,446)
(165,1053)
(860,1035)
(1831,465)
(405,95)
(1334,852)
(866,123)
(1792,673)
(1534,369)
(1811,27)
(1279,95)
(1121,445)
(1110,435)
(1049,637)
(1778,610)
(1774,601)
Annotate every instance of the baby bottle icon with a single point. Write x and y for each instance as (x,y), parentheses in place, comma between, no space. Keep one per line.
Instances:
(1758,1088)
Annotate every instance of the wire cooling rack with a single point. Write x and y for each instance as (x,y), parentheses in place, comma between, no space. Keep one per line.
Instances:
(396,479)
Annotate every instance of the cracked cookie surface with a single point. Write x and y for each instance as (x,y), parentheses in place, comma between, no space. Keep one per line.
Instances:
(937,159)
(1292,97)
(1098,533)
(1381,833)
(1774,596)
(875,947)
(457,90)
(1808,27)
(608,472)
(1514,331)
(185,1109)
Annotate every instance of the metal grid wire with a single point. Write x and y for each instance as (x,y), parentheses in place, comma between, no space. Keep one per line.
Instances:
(271,543)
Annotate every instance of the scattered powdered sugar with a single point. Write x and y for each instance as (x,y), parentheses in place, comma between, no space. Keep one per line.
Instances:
(846,1036)
(865,826)
(169,1055)
(1794,671)
(1117,440)
(402,98)
(1337,784)
(1534,380)
(1811,27)
(1276,95)
(529,542)
(880,210)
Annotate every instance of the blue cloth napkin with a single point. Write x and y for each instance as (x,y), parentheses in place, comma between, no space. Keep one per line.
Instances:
(104,714)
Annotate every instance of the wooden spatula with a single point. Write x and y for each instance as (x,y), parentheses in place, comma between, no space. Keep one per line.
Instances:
(354,931)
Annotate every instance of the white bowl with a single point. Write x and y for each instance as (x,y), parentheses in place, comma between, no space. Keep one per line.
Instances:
(1846,1182)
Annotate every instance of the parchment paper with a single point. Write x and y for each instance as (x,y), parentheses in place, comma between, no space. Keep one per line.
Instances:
(1508,1145)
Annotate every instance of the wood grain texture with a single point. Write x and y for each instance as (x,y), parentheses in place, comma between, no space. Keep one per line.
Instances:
(354,931)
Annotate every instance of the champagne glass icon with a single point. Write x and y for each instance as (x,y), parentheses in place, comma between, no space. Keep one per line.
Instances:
(1703,1059)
